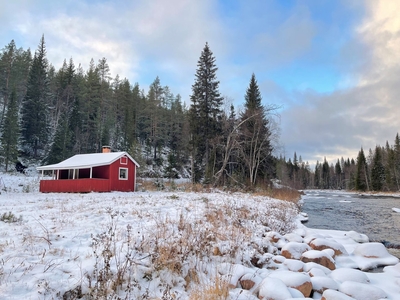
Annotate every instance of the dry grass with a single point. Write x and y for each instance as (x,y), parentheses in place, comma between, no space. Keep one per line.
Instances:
(170,185)
(284,193)
(217,290)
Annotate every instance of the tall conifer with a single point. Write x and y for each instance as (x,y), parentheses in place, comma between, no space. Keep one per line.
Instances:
(34,121)
(255,136)
(10,132)
(205,115)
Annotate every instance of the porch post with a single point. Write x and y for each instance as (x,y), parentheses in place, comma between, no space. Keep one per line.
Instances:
(91,171)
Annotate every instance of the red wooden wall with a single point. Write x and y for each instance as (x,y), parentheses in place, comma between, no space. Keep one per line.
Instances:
(75,185)
(122,185)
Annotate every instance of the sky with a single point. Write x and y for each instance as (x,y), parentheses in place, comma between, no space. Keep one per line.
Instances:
(332,67)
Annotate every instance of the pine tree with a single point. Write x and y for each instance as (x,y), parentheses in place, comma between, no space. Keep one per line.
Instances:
(10,132)
(34,120)
(205,116)
(255,136)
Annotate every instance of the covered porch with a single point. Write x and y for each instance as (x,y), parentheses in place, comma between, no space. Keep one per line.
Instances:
(77,180)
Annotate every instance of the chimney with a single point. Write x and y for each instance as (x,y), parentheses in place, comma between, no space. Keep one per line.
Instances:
(106,149)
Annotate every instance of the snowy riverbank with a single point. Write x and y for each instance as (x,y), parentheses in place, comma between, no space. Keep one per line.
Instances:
(177,245)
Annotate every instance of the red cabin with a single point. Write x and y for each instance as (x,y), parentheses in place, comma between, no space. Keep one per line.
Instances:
(97,172)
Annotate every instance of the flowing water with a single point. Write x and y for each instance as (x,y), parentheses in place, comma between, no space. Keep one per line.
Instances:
(370,215)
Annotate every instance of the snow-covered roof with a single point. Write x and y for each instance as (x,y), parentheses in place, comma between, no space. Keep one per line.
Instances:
(84,161)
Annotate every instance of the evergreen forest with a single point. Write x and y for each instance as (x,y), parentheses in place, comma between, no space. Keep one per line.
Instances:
(48,115)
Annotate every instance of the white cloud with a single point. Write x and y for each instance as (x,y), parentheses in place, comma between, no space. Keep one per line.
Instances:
(363,115)
(167,36)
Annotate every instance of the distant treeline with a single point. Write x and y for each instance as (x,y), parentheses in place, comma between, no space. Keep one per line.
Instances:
(378,170)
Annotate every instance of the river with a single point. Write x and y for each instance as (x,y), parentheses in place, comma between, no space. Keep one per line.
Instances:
(370,215)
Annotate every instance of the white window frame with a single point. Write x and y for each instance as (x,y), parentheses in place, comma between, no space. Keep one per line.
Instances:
(123,160)
(126,172)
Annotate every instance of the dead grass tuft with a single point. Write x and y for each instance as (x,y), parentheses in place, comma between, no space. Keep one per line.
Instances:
(217,290)
(284,193)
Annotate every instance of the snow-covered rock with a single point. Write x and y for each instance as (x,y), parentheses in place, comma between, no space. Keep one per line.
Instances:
(347,274)
(319,257)
(316,272)
(277,239)
(335,295)
(321,244)
(296,280)
(312,265)
(250,281)
(294,250)
(322,283)
(357,237)
(273,289)
(362,291)
(293,237)
(371,255)
(294,265)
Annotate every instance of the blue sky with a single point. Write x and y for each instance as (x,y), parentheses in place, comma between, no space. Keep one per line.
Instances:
(332,66)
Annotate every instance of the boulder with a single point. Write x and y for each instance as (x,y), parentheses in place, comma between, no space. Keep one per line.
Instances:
(314,272)
(371,250)
(278,259)
(335,295)
(273,289)
(294,265)
(249,281)
(371,255)
(312,265)
(296,280)
(347,274)
(319,257)
(322,283)
(294,250)
(276,239)
(321,244)
(357,237)
(362,291)
(293,237)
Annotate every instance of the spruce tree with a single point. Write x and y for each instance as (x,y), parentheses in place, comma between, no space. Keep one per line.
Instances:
(34,119)
(325,175)
(377,171)
(7,59)
(361,178)
(91,107)
(205,116)
(255,136)
(10,132)
(61,147)
(338,174)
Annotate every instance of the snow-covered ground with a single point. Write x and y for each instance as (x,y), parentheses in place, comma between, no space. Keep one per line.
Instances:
(177,245)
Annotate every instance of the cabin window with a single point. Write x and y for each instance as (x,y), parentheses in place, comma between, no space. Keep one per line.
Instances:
(123,174)
(123,160)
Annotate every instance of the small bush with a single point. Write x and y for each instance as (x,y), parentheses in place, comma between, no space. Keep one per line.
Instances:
(10,218)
